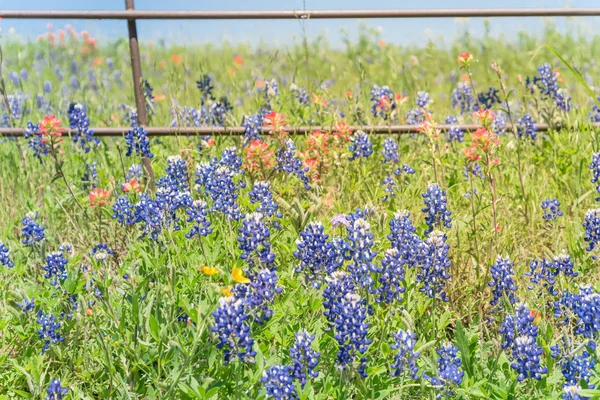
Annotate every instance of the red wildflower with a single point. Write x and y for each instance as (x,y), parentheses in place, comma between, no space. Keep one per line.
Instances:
(276,121)
(465,57)
(316,99)
(99,197)
(238,60)
(259,156)
(132,186)
(485,116)
(50,126)
(471,154)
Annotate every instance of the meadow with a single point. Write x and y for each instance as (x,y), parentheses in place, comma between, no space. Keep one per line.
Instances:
(333,265)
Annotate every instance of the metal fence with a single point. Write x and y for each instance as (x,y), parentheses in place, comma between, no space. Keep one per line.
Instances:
(131,15)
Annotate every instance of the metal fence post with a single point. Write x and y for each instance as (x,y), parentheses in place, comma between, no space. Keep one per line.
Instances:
(136,68)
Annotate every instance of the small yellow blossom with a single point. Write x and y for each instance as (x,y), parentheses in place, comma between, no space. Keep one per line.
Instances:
(209,270)
(238,276)
(227,291)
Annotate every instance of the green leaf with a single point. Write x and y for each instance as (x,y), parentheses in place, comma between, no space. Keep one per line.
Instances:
(462,341)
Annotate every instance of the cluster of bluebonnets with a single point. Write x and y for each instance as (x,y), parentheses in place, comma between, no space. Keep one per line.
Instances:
(359,269)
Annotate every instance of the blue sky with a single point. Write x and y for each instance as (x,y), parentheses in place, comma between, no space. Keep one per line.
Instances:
(405,31)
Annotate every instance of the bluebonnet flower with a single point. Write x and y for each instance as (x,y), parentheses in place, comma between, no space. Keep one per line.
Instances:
(36,144)
(595,167)
(463,97)
(338,253)
(572,393)
(279,383)
(404,239)
(14,77)
(360,239)
(488,99)
(436,208)
(423,99)
(5,256)
(55,267)
(205,85)
(262,193)
(434,265)
(28,304)
(448,370)
(391,276)
(48,331)
(254,241)
(499,124)
(503,282)
(383,100)
(74,82)
(351,331)
(526,127)
(90,177)
(16,109)
(360,146)
(176,175)
(47,87)
(197,214)
(574,367)
(137,140)
(390,151)
(594,114)
(124,211)
(520,337)
(454,133)
(548,86)
(252,127)
(406,169)
(390,188)
(592,228)
(148,96)
(551,209)
(585,307)
(134,172)
(219,185)
(232,329)
(55,390)
(270,90)
(304,357)
(415,116)
(300,94)
(472,168)
(288,162)
(313,251)
(546,271)
(101,251)
(405,359)
(31,231)
(43,105)
(261,294)
(339,284)
(78,119)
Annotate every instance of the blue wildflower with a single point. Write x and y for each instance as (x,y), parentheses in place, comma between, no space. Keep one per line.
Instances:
(28,304)
(454,133)
(5,256)
(252,127)
(462,96)
(55,390)
(48,331)
(405,359)
(503,282)
(592,228)
(304,357)
(434,265)
(261,193)
(288,162)
(339,284)
(232,329)
(137,140)
(526,127)
(55,267)
(360,146)
(313,251)
(279,383)
(436,208)
(448,370)
(390,151)
(404,239)
(391,276)
(197,215)
(78,119)
(551,209)
(351,331)
(31,231)
(360,239)
(254,241)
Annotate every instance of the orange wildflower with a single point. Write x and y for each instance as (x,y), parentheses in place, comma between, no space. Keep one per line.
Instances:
(175,59)
(132,186)
(99,197)
(238,60)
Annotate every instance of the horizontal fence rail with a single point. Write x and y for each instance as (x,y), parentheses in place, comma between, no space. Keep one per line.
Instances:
(238,130)
(291,14)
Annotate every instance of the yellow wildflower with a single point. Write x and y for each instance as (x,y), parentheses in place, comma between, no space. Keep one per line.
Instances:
(238,276)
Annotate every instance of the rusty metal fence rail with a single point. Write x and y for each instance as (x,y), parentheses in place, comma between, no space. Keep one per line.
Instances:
(131,15)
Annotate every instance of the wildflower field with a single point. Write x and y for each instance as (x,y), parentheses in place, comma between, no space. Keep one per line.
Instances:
(337,264)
